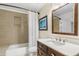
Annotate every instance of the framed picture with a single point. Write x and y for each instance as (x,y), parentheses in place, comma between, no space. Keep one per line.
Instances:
(43,23)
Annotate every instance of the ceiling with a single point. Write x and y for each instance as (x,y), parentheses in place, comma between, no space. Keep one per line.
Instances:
(36,7)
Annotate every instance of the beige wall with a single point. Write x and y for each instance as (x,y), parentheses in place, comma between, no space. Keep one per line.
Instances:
(43,12)
(47,10)
(10,32)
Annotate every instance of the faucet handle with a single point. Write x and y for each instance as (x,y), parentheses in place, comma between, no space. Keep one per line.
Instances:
(63,40)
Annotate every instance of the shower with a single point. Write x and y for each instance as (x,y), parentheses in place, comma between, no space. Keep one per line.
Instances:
(13,33)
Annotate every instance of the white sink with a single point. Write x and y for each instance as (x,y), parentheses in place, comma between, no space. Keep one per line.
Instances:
(55,43)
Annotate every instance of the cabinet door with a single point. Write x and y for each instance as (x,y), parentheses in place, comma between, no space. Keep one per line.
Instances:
(50,52)
(42,49)
(41,53)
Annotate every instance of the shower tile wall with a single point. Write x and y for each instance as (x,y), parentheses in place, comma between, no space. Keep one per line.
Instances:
(13,28)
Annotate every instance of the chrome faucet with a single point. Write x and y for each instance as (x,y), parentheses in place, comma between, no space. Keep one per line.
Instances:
(60,40)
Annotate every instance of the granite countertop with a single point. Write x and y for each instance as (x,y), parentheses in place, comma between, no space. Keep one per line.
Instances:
(68,49)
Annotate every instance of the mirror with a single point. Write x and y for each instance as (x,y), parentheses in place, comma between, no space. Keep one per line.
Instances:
(65,19)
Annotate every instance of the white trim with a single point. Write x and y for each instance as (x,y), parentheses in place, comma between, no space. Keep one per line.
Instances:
(33,28)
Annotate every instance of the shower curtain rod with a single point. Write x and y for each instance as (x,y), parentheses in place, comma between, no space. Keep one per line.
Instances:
(17,7)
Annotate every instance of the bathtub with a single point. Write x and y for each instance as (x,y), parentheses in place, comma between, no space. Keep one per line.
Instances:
(17,50)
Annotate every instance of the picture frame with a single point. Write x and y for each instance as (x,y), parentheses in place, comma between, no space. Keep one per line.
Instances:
(43,25)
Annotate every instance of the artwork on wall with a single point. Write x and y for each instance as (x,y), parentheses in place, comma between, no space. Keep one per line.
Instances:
(43,23)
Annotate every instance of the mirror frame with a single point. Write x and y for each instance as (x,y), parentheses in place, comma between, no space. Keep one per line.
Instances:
(75,21)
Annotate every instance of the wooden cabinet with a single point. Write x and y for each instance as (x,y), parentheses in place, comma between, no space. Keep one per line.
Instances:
(44,50)
(41,53)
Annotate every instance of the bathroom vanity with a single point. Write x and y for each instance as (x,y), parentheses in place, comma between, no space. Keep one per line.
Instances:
(44,50)
(48,47)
